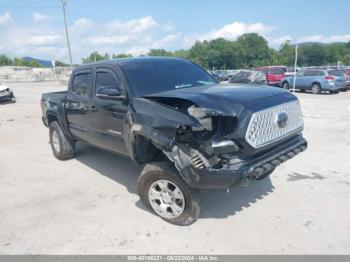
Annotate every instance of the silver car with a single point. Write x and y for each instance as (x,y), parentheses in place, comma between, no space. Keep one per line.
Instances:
(316,80)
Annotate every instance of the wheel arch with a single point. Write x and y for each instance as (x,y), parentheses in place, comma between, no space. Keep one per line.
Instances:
(143,150)
(316,82)
(53,116)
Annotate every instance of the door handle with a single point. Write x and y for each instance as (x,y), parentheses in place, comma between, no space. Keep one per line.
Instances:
(93,109)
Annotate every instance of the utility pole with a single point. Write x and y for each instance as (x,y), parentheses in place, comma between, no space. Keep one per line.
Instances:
(295,66)
(64,3)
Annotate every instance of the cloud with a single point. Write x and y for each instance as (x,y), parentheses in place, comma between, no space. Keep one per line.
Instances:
(161,43)
(38,17)
(325,39)
(83,24)
(277,42)
(136,36)
(5,18)
(43,40)
(229,31)
(133,26)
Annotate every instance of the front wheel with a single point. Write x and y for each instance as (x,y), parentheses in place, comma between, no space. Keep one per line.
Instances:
(163,191)
(62,146)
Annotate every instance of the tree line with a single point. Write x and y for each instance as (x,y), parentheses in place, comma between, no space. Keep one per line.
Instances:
(7,61)
(248,51)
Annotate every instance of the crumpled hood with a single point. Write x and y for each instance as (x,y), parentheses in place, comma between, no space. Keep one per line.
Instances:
(3,88)
(227,99)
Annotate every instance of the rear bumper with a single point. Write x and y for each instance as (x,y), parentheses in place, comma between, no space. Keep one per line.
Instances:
(274,83)
(330,87)
(249,169)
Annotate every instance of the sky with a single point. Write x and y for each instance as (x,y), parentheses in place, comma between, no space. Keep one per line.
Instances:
(35,27)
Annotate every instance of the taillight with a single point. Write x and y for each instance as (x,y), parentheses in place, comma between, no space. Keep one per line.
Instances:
(329,78)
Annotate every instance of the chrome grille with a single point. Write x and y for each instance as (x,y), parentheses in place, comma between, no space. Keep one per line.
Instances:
(264,126)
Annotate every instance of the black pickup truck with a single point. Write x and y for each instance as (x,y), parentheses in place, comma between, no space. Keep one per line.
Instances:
(173,117)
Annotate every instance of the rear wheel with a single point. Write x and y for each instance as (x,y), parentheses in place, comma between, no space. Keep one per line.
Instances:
(285,85)
(163,192)
(316,89)
(62,146)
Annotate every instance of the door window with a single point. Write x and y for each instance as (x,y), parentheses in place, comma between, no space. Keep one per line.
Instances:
(311,73)
(106,80)
(82,84)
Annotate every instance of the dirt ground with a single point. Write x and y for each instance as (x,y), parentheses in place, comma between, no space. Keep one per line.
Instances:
(89,205)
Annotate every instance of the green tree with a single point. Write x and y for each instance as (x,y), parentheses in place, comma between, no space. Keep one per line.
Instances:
(5,60)
(95,57)
(121,55)
(60,63)
(181,53)
(286,54)
(312,55)
(198,53)
(159,52)
(254,49)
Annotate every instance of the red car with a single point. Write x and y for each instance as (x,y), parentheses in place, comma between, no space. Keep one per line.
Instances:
(274,74)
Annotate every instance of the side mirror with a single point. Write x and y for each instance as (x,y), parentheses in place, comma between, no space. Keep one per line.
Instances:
(109,92)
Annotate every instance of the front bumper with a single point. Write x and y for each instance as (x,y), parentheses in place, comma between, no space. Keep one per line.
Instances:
(249,169)
(7,97)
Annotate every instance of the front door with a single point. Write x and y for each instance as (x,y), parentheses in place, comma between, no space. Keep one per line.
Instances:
(108,115)
(78,103)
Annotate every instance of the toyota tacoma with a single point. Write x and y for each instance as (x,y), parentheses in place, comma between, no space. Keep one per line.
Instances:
(171,116)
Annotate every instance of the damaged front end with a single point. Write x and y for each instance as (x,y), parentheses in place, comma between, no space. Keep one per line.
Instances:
(6,95)
(207,146)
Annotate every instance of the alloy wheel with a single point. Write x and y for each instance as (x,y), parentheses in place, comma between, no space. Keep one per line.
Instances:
(166,199)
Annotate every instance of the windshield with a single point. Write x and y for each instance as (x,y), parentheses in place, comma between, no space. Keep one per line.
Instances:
(153,76)
(277,71)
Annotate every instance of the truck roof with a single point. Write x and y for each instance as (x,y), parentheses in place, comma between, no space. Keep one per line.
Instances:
(125,61)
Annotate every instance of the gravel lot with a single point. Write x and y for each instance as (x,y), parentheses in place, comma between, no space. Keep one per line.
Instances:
(89,205)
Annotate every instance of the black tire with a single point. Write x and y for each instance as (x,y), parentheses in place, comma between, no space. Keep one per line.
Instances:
(64,148)
(316,89)
(285,85)
(334,92)
(265,175)
(158,171)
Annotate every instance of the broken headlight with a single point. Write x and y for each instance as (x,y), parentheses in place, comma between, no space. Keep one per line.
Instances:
(201,116)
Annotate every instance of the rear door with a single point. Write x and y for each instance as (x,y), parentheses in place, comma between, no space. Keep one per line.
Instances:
(306,80)
(78,103)
(299,79)
(108,115)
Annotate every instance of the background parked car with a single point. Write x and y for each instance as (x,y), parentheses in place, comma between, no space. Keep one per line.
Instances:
(223,75)
(291,71)
(274,74)
(346,71)
(6,94)
(340,78)
(316,80)
(248,77)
